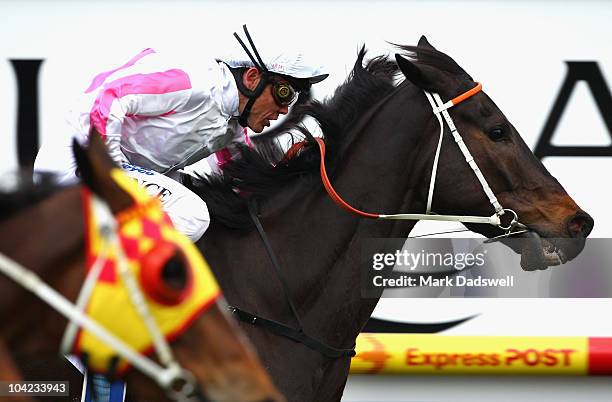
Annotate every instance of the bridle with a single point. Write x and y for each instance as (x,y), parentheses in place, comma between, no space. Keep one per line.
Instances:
(178,383)
(297,333)
(440,110)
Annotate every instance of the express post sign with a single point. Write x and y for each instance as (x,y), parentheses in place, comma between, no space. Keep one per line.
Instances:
(493,355)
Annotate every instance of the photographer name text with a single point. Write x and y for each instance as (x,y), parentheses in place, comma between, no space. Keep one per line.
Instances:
(407,281)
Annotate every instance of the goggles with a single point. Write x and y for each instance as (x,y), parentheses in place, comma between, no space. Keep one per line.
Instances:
(284,94)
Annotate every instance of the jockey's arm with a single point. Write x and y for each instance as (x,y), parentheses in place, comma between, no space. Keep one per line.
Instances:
(139,96)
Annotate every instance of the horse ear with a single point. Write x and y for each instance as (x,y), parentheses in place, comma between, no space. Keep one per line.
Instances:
(94,166)
(97,150)
(85,169)
(417,74)
(93,162)
(424,43)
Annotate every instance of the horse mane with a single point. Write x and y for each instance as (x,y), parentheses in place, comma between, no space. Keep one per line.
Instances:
(262,171)
(25,193)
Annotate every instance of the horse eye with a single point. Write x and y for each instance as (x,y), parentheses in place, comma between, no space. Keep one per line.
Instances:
(497,133)
(164,274)
(174,273)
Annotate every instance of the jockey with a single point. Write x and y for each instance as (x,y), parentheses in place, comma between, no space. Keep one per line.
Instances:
(157,117)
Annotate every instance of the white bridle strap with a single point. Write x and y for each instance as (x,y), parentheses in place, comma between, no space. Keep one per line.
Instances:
(33,283)
(434,169)
(164,376)
(491,220)
(439,108)
(106,225)
(90,282)
(442,109)
(164,353)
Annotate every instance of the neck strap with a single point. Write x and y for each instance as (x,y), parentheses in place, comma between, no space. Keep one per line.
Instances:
(297,334)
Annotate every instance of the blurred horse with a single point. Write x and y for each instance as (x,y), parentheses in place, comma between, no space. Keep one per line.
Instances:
(382,140)
(42,228)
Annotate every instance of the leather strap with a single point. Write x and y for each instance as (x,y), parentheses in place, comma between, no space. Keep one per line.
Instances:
(296,334)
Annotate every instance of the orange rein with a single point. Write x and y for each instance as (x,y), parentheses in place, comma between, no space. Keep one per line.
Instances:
(296,148)
(327,184)
(330,190)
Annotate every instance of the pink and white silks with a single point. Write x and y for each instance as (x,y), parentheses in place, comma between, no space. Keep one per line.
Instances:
(156,117)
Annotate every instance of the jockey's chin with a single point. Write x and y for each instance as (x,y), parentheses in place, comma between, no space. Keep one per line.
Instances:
(257,125)
(256,128)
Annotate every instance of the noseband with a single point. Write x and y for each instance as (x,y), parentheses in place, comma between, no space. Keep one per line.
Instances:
(440,109)
(178,383)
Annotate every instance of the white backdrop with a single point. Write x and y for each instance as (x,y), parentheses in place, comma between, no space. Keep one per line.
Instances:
(516,49)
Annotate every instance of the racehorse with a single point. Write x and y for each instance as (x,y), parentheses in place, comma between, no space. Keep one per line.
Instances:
(42,228)
(381,139)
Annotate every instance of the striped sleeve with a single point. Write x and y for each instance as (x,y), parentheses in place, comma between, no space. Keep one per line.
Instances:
(136,96)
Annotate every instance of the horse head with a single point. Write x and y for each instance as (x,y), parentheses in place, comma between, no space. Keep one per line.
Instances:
(211,356)
(379,140)
(213,349)
(557,226)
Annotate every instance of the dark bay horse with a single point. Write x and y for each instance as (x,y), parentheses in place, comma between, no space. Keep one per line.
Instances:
(381,139)
(42,228)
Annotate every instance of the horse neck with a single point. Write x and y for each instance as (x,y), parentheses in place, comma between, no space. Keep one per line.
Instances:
(385,170)
(318,243)
(48,240)
(387,166)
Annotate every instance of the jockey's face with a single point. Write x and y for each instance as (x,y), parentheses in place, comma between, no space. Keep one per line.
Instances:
(265,109)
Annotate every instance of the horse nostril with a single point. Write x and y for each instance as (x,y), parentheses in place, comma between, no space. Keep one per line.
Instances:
(580,225)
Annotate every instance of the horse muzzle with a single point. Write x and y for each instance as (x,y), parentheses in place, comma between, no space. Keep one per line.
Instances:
(539,253)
